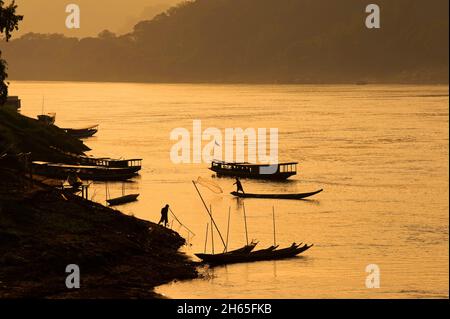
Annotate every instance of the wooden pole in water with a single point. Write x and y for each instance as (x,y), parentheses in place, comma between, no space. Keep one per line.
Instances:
(228,229)
(212,232)
(106,191)
(206,237)
(212,219)
(274,236)
(245,222)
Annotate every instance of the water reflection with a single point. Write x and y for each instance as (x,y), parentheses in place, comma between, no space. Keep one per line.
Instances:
(373,153)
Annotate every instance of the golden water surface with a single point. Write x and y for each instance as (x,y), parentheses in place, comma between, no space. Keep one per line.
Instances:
(379,152)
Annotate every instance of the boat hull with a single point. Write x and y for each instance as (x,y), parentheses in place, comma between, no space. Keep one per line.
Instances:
(122,200)
(85,133)
(276,176)
(92,173)
(280,171)
(270,253)
(276,196)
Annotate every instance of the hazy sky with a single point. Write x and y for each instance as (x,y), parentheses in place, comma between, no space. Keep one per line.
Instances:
(48,16)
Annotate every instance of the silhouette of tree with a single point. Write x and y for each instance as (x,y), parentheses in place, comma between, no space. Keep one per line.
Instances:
(9,21)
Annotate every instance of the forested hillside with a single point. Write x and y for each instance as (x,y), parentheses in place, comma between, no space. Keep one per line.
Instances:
(256,41)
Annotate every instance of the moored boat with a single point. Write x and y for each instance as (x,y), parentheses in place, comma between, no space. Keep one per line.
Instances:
(48,119)
(94,173)
(270,253)
(82,132)
(280,171)
(276,196)
(134,164)
(243,250)
(122,200)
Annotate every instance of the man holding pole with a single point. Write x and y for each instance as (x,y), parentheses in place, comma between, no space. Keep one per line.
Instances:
(239,186)
(164,215)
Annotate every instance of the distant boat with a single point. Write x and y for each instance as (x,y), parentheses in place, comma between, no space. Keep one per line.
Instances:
(133,164)
(122,199)
(93,173)
(276,196)
(48,119)
(282,171)
(82,132)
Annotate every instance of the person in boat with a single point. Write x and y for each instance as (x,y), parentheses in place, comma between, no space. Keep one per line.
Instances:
(164,215)
(239,186)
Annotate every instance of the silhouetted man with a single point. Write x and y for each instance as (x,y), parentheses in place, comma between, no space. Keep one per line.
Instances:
(239,186)
(164,215)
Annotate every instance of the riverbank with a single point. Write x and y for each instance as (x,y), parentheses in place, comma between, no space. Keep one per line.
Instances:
(22,134)
(44,229)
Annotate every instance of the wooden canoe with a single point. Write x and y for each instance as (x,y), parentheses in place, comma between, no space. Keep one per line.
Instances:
(85,172)
(240,251)
(82,132)
(276,196)
(244,250)
(122,200)
(270,253)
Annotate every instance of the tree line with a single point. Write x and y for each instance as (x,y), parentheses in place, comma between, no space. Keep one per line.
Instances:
(256,41)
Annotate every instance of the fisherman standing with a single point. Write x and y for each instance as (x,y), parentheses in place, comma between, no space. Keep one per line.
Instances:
(239,186)
(164,215)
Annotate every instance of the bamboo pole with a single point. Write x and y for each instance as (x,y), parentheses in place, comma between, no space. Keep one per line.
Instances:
(106,191)
(212,231)
(245,222)
(206,237)
(273,217)
(206,207)
(228,229)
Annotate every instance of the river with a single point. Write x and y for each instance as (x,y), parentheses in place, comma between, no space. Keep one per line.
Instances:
(380,152)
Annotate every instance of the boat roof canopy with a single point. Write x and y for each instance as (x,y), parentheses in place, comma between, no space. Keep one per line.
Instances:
(252,164)
(69,166)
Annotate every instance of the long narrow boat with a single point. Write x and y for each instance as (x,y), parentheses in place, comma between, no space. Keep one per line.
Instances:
(243,250)
(93,173)
(48,119)
(259,255)
(82,132)
(265,250)
(276,196)
(122,200)
(134,164)
(280,171)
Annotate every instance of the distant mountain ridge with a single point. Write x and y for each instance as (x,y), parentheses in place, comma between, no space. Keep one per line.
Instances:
(253,41)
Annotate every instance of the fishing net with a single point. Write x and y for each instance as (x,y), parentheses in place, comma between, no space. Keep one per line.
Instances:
(213,187)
